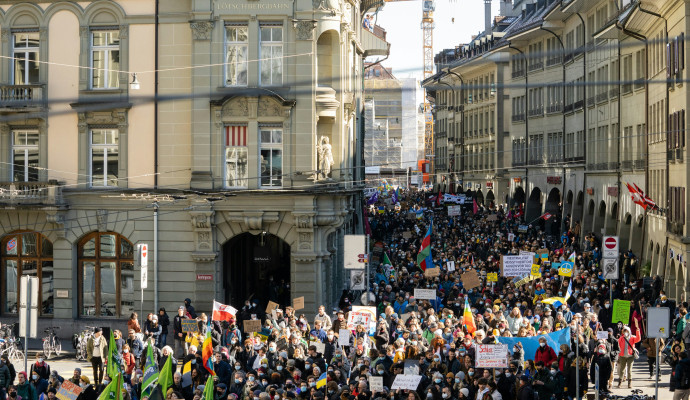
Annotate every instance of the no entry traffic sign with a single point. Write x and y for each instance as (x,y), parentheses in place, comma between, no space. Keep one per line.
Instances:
(610,248)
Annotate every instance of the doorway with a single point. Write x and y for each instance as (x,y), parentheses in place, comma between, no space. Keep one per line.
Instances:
(256,267)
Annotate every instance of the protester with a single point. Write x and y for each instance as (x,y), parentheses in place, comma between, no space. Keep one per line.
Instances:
(96,352)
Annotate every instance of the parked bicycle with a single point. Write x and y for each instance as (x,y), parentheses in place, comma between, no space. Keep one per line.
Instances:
(80,340)
(51,343)
(636,395)
(10,344)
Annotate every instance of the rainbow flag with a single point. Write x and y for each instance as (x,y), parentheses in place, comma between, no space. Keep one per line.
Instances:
(207,351)
(468,319)
(424,259)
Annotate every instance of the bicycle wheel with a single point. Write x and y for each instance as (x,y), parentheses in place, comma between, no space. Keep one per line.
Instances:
(57,346)
(17,357)
(47,348)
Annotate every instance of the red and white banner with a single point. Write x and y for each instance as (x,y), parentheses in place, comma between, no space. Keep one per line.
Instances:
(235,135)
(222,312)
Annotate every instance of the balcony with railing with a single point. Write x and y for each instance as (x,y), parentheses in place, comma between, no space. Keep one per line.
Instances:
(580,104)
(536,112)
(21,97)
(518,117)
(602,97)
(638,164)
(30,193)
(535,66)
(568,108)
(554,108)
(590,101)
(613,93)
(518,73)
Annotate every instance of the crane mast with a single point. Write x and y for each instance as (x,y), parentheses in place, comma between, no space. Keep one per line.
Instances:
(428,8)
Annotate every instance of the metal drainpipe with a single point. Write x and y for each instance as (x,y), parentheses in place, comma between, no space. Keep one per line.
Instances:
(155,102)
(563,115)
(586,128)
(522,53)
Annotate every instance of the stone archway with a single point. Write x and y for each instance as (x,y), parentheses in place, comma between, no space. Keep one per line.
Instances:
(479,196)
(534,205)
(588,219)
(257,267)
(599,219)
(490,199)
(612,221)
(553,207)
(518,196)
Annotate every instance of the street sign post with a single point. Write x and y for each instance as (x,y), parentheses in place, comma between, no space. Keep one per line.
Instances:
(658,326)
(142,259)
(610,249)
(610,268)
(28,311)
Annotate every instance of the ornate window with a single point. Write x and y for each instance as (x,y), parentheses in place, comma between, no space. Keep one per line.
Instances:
(105,59)
(106,275)
(271,54)
(236,54)
(25,156)
(105,151)
(271,156)
(25,51)
(236,173)
(27,253)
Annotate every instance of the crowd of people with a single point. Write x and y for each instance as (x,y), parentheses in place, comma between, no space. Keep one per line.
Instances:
(556,348)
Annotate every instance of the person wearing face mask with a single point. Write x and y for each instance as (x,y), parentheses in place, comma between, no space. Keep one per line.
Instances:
(559,381)
(237,383)
(128,362)
(544,353)
(602,359)
(605,315)
(506,383)
(627,343)
(40,367)
(543,381)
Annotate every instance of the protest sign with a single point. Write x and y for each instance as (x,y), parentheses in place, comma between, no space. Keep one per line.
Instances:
(407,235)
(425,294)
(355,318)
(376,384)
(470,279)
(68,391)
(320,347)
(432,272)
(492,217)
(516,265)
(411,367)
(190,325)
(555,265)
(491,355)
(343,337)
(511,237)
(543,254)
(523,280)
(523,228)
(271,306)
(298,303)
(450,266)
(409,382)
(454,211)
(602,335)
(621,311)
(492,277)
(252,325)
(536,270)
(372,317)
(566,269)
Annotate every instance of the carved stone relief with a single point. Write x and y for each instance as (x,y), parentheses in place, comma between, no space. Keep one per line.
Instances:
(305,30)
(236,108)
(202,230)
(268,107)
(201,30)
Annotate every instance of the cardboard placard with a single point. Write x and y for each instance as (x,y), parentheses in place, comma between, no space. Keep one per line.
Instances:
(252,325)
(543,254)
(271,306)
(343,337)
(432,272)
(425,294)
(320,347)
(491,355)
(492,217)
(470,279)
(376,384)
(298,303)
(68,391)
(516,265)
(407,235)
(409,382)
(492,277)
(621,311)
(190,325)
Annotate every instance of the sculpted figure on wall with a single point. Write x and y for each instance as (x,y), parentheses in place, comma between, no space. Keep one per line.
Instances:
(325,153)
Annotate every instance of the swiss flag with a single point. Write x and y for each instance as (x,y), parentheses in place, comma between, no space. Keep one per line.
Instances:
(546,216)
(222,312)
(637,196)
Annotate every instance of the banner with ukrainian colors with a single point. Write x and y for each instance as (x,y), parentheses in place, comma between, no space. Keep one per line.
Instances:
(531,344)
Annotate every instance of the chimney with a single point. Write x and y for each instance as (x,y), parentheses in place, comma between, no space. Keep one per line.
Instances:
(487,16)
(506,8)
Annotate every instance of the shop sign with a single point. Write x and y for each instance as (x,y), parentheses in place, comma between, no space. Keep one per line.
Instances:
(553,180)
(590,191)
(490,185)
(612,191)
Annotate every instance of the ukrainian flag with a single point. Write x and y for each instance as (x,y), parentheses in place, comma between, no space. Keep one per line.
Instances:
(322,381)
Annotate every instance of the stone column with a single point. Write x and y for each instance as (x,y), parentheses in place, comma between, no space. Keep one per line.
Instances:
(204,254)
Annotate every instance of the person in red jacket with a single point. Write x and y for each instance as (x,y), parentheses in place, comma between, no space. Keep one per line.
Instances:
(545,353)
(627,353)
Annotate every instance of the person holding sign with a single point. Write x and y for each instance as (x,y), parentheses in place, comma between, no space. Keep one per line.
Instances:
(628,353)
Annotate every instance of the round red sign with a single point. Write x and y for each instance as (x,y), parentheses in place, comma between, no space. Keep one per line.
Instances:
(610,243)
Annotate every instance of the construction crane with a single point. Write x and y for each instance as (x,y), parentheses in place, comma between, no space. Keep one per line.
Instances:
(427,25)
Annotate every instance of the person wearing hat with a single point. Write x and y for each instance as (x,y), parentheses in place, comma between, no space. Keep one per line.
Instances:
(24,388)
(464,394)
(96,352)
(602,359)
(76,376)
(87,392)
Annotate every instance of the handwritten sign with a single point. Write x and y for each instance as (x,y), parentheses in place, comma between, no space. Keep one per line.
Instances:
(252,325)
(492,277)
(376,384)
(68,391)
(454,211)
(432,272)
(492,217)
(298,303)
(491,355)
(190,325)
(320,347)
(470,279)
(536,270)
(343,337)
(621,311)
(407,235)
(516,265)
(425,294)
(602,335)
(271,306)
(355,318)
(406,382)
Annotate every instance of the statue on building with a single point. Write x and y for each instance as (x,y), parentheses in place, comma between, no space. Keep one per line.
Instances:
(325,153)
(326,5)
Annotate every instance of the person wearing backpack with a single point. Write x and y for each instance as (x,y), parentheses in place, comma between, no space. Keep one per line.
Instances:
(682,377)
